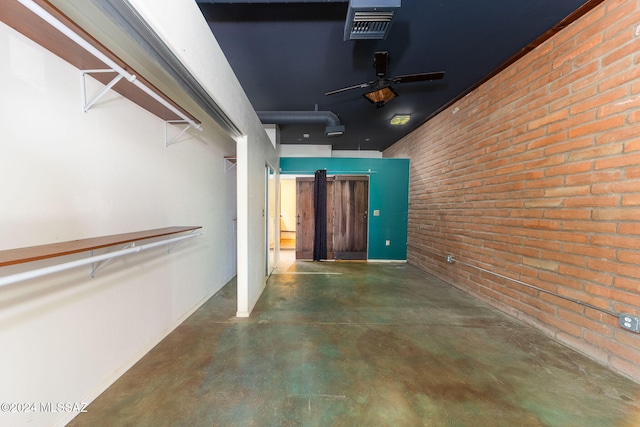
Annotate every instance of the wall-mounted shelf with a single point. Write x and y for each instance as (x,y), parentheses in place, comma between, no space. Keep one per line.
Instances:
(50,28)
(41,252)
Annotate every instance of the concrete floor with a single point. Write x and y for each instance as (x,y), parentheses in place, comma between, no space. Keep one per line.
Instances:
(357,344)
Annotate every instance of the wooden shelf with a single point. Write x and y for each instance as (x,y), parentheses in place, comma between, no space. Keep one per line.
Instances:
(30,25)
(35,253)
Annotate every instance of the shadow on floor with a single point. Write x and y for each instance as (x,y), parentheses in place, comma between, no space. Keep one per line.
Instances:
(357,344)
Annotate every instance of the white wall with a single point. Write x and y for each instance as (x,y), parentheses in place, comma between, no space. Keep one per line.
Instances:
(302,150)
(200,53)
(68,175)
(358,154)
(308,150)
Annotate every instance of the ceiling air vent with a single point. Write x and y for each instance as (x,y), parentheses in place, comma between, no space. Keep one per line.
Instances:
(369,19)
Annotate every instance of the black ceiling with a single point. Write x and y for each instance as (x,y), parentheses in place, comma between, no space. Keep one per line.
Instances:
(287,55)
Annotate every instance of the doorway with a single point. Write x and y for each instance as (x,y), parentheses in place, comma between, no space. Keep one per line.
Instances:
(347,217)
(269,213)
(287,213)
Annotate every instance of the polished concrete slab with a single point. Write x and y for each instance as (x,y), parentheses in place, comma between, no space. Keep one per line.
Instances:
(362,344)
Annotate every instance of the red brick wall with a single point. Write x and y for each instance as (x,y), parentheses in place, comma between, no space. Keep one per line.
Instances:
(536,176)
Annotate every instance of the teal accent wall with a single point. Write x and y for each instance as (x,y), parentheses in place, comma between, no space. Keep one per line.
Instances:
(388,193)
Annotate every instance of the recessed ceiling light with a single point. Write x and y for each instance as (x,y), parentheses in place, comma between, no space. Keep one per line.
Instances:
(400,119)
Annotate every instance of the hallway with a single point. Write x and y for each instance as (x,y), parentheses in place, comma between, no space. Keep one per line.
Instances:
(362,344)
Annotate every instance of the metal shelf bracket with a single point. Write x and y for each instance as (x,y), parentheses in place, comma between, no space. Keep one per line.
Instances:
(229,163)
(96,266)
(168,141)
(86,105)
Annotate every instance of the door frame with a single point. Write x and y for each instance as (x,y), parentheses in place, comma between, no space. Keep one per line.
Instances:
(271,227)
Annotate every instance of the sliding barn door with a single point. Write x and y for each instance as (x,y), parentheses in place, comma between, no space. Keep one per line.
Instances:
(350,217)
(305,222)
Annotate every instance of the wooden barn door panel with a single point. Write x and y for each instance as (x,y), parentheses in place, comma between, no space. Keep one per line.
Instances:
(305,227)
(350,217)
(347,221)
(330,251)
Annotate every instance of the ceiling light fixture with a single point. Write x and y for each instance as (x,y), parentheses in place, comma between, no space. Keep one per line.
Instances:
(400,119)
(381,96)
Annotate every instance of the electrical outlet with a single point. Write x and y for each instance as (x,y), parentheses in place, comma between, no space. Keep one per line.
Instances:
(630,322)
(388,243)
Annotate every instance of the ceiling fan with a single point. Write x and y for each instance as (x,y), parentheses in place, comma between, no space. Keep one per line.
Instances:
(382,91)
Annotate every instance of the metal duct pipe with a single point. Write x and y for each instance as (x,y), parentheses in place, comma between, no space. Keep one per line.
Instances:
(332,122)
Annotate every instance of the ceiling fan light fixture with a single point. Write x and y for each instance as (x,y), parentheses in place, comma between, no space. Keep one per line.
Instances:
(381,96)
(400,119)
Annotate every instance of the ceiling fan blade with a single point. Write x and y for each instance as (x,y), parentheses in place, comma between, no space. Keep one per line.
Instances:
(344,89)
(380,62)
(418,77)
